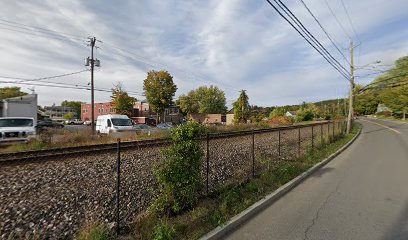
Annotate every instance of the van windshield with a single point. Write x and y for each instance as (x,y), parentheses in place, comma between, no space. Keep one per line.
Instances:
(16,122)
(121,122)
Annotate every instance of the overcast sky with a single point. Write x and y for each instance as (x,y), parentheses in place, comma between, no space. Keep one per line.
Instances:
(234,44)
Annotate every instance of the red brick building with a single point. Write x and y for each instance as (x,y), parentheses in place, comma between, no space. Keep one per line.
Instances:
(141,113)
(100,109)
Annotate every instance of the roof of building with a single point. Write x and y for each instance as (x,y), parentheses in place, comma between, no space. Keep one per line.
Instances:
(27,97)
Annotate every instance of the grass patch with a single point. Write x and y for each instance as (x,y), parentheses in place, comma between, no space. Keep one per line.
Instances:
(94,231)
(227,202)
(63,138)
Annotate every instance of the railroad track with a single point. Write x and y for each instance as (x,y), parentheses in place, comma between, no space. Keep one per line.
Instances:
(32,155)
(23,156)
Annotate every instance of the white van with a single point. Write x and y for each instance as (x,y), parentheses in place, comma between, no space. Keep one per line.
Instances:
(107,124)
(17,129)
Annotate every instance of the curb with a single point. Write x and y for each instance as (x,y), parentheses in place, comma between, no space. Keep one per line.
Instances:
(236,221)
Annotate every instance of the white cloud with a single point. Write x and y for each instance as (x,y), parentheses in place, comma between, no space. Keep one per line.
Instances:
(234,44)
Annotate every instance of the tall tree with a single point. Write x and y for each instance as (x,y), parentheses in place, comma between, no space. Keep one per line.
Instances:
(121,101)
(73,104)
(10,92)
(205,100)
(241,108)
(159,90)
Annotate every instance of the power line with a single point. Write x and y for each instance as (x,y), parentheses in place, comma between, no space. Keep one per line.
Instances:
(382,80)
(80,87)
(337,20)
(11,23)
(350,21)
(307,40)
(307,32)
(45,78)
(154,64)
(404,83)
(60,38)
(324,30)
(42,80)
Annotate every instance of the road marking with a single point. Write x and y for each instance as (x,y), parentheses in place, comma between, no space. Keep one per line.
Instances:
(381,125)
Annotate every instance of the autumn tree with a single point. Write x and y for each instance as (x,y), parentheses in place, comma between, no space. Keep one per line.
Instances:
(204,100)
(159,90)
(121,101)
(241,108)
(10,92)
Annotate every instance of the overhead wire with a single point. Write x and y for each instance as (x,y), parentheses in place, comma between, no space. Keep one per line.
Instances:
(68,86)
(325,32)
(307,40)
(337,20)
(42,80)
(310,35)
(350,21)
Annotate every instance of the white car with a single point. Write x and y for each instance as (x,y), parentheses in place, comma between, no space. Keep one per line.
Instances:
(108,124)
(74,122)
(17,129)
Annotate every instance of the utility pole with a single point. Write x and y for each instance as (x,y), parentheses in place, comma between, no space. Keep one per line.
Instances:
(351,96)
(92,62)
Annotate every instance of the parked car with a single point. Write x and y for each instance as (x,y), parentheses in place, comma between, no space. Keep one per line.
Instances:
(48,123)
(107,124)
(144,128)
(88,123)
(16,129)
(165,126)
(74,122)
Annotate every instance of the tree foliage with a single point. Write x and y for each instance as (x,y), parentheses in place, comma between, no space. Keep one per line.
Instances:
(10,92)
(205,100)
(73,104)
(241,108)
(69,116)
(307,112)
(389,89)
(159,90)
(121,101)
(277,112)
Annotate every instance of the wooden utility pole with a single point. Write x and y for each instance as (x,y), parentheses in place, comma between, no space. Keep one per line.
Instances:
(351,96)
(92,62)
(92,86)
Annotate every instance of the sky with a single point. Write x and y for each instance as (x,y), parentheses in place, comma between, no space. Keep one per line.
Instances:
(234,44)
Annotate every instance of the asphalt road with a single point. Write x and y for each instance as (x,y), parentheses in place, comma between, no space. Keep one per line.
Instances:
(361,194)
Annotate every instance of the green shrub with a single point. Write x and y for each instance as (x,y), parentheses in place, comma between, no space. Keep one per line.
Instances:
(164,231)
(179,176)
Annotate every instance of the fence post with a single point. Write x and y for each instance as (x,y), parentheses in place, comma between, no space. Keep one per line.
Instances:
(279,144)
(208,161)
(299,142)
(118,188)
(328,131)
(321,134)
(334,125)
(312,138)
(253,153)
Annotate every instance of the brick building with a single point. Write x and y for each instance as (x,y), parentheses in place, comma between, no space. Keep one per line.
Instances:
(141,113)
(100,109)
